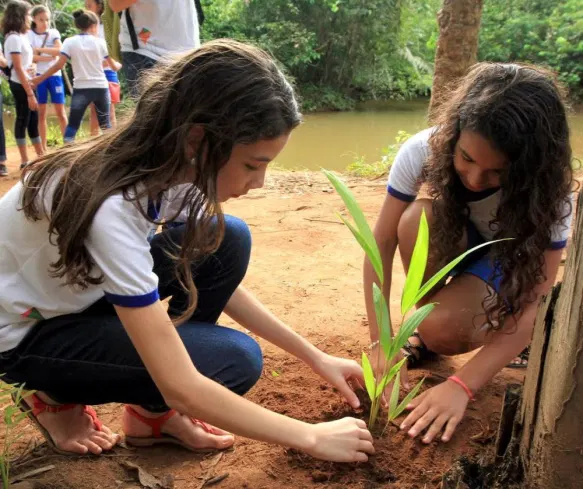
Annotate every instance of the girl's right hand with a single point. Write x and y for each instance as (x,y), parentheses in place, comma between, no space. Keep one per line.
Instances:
(32,103)
(343,440)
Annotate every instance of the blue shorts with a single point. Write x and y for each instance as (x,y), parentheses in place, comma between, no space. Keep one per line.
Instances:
(55,86)
(111,76)
(479,262)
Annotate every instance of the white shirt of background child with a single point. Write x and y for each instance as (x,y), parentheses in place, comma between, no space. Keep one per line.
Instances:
(15,43)
(163,27)
(86,53)
(118,242)
(404,182)
(37,41)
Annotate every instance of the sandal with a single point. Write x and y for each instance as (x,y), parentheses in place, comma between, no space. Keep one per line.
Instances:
(523,356)
(158,437)
(39,407)
(416,354)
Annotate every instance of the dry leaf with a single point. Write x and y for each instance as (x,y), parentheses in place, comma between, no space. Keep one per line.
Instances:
(146,479)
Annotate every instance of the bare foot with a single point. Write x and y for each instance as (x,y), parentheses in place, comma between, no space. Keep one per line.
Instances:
(73,430)
(180,427)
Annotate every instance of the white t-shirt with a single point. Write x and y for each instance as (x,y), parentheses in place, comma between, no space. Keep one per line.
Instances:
(37,40)
(404,182)
(163,27)
(15,43)
(86,53)
(118,242)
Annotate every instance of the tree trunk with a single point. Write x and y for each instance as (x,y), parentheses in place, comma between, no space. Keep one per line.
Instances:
(551,447)
(457,46)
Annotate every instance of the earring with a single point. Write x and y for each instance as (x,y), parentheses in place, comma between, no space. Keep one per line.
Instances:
(193,161)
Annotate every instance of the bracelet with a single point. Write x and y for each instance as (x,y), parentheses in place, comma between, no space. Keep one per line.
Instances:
(373,344)
(463,385)
(31,95)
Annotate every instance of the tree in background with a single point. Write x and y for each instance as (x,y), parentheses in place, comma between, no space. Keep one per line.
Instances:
(457,46)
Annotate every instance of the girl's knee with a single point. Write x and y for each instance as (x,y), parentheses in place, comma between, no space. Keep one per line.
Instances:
(441,333)
(409,222)
(246,361)
(237,240)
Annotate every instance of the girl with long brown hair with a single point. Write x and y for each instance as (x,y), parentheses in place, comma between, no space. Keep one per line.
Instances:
(83,271)
(497,164)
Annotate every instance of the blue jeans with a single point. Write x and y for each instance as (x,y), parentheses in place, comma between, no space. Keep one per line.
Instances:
(88,358)
(134,65)
(80,100)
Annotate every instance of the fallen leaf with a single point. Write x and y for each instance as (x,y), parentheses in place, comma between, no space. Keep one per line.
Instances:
(210,463)
(146,479)
(275,373)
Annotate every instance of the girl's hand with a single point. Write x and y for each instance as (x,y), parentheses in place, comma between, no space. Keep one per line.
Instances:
(441,406)
(338,371)
(35,82)
(343,440)
(32,103)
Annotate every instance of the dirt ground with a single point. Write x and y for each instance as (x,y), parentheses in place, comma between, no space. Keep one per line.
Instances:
(306,268)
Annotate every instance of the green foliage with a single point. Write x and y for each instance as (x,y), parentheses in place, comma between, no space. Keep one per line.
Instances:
(413,292)
(12,417)
(361,168)
(547,33)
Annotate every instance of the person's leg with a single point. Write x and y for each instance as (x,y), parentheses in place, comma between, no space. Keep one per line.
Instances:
(42,99)
(216,277)
(456,324)
(93,124)
(3,169)
(101,101)
(112,116)
(57,91)
(33,132)
(134,65)
(21,120)
(79,102)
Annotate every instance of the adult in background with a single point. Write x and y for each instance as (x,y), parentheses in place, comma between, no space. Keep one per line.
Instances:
(151,30)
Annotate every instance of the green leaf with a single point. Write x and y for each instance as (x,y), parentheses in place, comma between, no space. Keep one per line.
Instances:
(275,373)
(447,268)
(394,397)
(383,318)
(408,398)
(382,385)
(409,326)
(417,266)
(369,378)
(373,256)
(395,369)
(359,219)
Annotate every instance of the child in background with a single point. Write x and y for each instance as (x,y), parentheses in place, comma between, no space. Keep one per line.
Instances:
(46,46)
(15,25)
(97,6)
(87,53)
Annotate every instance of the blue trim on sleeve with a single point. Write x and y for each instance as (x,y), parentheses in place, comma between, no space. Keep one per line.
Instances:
(65,54)
(559,245)
(15,52)
(400,195)
(133,300)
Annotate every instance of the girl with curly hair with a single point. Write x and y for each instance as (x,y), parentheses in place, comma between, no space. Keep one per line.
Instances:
(497,164)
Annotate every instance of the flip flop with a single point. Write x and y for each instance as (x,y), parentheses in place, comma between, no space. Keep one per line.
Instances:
(416,354)
(39,407)
(159,438)
(524,354)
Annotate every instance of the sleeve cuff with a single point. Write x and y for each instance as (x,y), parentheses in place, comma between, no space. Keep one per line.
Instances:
(65,54)
(400,195)
(558,245)
(133,300)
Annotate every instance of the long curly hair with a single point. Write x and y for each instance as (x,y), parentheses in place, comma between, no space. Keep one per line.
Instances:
(234,91)
(521,111)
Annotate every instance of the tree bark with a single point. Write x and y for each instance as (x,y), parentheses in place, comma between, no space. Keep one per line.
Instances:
(457,46)
(552,411)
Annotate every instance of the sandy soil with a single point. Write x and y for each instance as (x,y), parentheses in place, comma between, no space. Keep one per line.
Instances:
(306,268)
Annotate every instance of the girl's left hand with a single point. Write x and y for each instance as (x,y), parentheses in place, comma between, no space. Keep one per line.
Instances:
(441,406)
(338,371)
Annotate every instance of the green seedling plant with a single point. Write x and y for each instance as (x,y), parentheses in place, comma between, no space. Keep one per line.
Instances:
(13,416)
(413,291)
